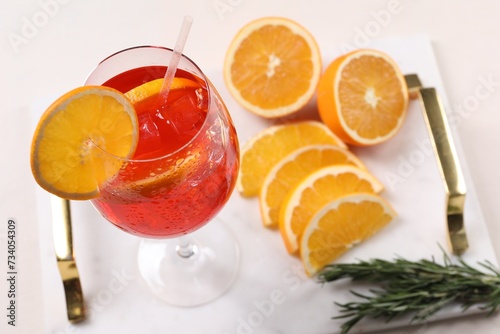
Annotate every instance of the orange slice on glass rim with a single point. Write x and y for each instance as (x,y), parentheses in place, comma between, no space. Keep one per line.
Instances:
(81,140)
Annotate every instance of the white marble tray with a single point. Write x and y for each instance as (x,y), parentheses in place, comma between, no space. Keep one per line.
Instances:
(118,301)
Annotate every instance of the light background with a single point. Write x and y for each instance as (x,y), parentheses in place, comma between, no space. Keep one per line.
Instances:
(74,34)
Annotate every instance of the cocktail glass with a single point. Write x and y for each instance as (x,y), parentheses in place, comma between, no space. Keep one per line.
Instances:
(181,175)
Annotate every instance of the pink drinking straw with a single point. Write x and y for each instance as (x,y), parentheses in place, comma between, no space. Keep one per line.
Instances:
(176,56)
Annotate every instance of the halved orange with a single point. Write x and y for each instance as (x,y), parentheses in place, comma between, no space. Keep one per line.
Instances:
(266,148)
(341,225)
(67,151)
(363,97)
(316,190)
(272,66)
(290,170)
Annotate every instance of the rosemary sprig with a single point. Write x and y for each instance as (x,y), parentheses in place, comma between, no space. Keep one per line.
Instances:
(421,288)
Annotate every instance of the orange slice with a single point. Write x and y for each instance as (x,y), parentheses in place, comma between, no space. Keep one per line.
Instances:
(363,97)
(164,176)
(67,151)
(315,191)
(290,170)
(267,147)
(341,225)
(272,67)
(153,87)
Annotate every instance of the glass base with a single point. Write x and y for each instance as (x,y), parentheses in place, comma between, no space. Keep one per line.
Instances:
(192,270)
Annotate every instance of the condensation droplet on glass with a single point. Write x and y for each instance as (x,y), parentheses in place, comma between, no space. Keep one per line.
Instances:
(201,99)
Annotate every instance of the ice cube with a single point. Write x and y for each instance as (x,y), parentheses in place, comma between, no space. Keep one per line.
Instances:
(184,114)
(149,135)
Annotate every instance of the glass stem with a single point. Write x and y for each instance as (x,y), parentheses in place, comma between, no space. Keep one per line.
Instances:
(185,248)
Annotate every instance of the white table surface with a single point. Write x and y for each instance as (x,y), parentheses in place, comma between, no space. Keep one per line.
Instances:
(46,60)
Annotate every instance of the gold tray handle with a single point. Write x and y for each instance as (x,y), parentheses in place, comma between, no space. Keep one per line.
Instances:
(447,158)
(63,242)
